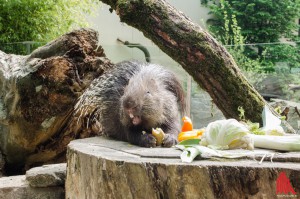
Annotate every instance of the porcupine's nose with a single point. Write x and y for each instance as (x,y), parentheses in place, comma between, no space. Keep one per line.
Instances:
(130,108)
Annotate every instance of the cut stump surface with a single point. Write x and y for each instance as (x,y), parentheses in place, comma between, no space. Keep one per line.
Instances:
(103,168)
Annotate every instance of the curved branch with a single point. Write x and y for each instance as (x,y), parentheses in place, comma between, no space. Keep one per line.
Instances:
(208,62)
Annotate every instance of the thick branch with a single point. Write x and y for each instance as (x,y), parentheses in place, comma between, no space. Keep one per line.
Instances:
(200,55)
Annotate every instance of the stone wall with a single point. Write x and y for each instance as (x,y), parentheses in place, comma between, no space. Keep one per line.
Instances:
(46,182)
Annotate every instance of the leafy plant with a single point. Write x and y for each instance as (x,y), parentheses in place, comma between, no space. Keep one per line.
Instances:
(229,34)
(260,20)
(32,20)
(236,23)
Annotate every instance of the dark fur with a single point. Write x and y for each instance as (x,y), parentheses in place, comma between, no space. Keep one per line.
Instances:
(147,91)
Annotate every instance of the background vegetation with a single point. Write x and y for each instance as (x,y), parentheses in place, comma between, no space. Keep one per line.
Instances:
(263,36)
(39,21)
(252,30)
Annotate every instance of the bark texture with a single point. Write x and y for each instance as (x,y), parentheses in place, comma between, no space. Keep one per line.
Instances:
(198,52)
(39,92)
(101,168)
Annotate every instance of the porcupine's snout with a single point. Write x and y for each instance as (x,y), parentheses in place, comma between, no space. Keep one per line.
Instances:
(132,110)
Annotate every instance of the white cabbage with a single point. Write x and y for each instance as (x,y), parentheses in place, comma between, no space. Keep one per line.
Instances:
(227,134)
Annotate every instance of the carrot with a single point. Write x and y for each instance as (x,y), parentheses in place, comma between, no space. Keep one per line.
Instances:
(187,124)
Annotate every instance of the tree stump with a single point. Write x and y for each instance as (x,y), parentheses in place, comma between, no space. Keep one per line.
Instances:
(102,168)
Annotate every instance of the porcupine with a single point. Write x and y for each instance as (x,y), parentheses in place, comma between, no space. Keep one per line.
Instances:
(135,97)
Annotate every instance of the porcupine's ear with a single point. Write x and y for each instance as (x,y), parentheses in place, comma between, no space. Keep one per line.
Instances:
(172,84)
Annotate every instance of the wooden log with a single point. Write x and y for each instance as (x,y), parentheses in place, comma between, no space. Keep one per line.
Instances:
(103,168)
(39,91)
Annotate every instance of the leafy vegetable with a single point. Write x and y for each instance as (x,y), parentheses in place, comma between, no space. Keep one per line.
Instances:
(227,134)
(231,134)
(271,123)
(190,142)
(190,153)
(282,143)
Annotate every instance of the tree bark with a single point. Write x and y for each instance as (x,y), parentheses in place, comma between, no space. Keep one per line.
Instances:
(102,168)
(39,92)
(208,62)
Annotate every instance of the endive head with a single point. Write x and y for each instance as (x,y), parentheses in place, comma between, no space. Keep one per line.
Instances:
(227,134)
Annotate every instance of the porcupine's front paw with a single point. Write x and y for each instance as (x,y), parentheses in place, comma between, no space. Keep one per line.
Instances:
(147,140)
(169,140)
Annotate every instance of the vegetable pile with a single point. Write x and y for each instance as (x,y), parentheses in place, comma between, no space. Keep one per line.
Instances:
(227,134)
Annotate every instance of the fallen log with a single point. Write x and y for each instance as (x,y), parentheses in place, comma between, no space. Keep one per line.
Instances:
(39,91)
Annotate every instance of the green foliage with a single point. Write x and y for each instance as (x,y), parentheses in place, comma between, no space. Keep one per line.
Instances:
(229,33)
(40,20)
(236,23)
(226,28)
(260,20)
(285,53)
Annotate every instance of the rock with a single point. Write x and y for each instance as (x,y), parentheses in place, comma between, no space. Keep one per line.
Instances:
(47,175)
(16,187)
(103,168)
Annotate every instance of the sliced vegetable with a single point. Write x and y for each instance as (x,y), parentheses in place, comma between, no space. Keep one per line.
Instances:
(159,134)
(187,124)
(271,123)
(191,152)
(282,143)
(196,133)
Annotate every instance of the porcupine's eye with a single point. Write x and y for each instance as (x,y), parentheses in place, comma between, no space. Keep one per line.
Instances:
(147,96)
(147,93)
